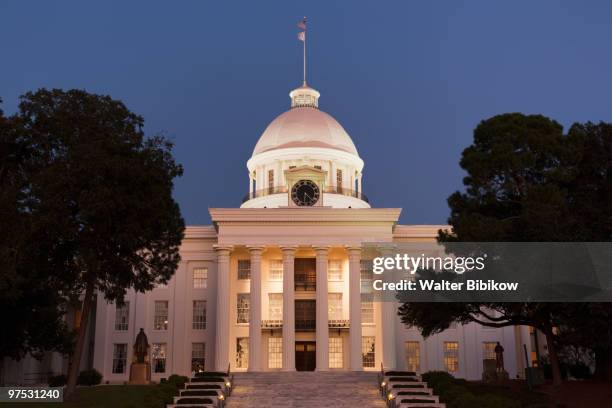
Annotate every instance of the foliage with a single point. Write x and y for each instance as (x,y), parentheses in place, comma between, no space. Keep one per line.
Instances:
(527,181)
(178,380)
(457,393)
(89,377)
(57,380)
(96,200)
(30,297)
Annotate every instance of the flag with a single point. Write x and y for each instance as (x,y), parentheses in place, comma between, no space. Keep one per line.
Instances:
(302,24)
(302,36)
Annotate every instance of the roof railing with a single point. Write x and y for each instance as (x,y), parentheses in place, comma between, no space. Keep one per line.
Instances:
(283,189)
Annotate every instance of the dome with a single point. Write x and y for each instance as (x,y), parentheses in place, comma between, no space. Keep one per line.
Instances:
(304,125)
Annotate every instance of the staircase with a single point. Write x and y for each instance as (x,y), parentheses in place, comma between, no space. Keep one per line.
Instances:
(305,390)
(406,389)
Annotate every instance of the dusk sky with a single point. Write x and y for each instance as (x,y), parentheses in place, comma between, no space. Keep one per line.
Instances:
(408,80)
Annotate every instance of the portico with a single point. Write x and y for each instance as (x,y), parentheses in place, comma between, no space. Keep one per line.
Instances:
(329,239)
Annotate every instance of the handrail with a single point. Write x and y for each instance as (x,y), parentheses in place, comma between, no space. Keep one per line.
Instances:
(271,324)
(338,324)
(283,189)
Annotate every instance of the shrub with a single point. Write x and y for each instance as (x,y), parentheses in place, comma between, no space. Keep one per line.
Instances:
(177,380)
(57,380)
(435,377)
(580,371)
(89,377)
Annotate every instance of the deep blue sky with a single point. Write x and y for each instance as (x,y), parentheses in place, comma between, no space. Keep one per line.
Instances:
(408,80)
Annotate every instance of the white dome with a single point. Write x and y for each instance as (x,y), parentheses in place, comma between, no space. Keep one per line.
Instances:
(304,125)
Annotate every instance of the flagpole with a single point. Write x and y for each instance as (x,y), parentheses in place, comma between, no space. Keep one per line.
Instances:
(304,57)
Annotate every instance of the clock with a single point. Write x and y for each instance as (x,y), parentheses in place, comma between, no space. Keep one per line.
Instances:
(305,193)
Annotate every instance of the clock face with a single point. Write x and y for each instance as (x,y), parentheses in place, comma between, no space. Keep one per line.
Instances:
(305,193)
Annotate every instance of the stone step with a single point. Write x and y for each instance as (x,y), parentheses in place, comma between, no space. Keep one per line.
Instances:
(422,405)
(191,406)
(417,399)
(180,401)
(306,389)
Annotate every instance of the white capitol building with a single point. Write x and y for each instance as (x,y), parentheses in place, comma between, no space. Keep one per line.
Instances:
(278,284)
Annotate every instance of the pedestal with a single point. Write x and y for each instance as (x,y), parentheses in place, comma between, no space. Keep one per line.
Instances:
(140,373)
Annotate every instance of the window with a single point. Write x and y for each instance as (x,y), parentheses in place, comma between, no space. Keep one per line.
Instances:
(334,303)
(198,357)
(159,357)
(200,278)
(119,358)
(451,356)
(367,308)
(244,300)
(413,356)
(276,269)
(242,352)
(270,181)
(334,270)
(122,315)
(488,350)
(244,269)
(275,352)
(339,179)
(335,352)
(275,306)
(161,315)
(366,276)
(317,167)
(367,351)
(199,315)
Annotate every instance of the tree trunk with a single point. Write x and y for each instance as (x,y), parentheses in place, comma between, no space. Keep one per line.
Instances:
(603,364)
(554,359)
(75,362)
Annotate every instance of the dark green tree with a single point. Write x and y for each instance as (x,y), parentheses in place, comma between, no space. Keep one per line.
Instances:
(31,310)
(590,212)
(100,198)
(518,171)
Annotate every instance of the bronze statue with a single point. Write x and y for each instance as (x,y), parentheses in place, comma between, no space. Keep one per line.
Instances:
(141,347)
(499,358)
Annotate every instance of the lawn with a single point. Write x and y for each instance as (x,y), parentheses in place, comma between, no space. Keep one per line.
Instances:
(114,396)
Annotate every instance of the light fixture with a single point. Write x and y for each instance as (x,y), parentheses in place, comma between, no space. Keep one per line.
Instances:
(382,384)
(221,397)
(228,384)
(391,396)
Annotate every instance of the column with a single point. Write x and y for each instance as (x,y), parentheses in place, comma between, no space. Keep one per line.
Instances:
(223,312)
(255,310)
(359,184)
(387,321)
(333,175)
(288,309)
(355,308)
(388,311)
(322,334)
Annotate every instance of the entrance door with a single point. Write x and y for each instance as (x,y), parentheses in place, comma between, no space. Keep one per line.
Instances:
(305,355)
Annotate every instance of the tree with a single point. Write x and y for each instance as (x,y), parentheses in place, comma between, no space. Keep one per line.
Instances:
(30,301)
(518,171)
(591,220)
(100,198)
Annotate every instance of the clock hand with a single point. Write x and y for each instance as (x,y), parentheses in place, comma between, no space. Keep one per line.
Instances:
(307,196)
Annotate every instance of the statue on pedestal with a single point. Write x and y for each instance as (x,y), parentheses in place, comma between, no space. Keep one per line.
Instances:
(499,358)
(493,369)
(140,370)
